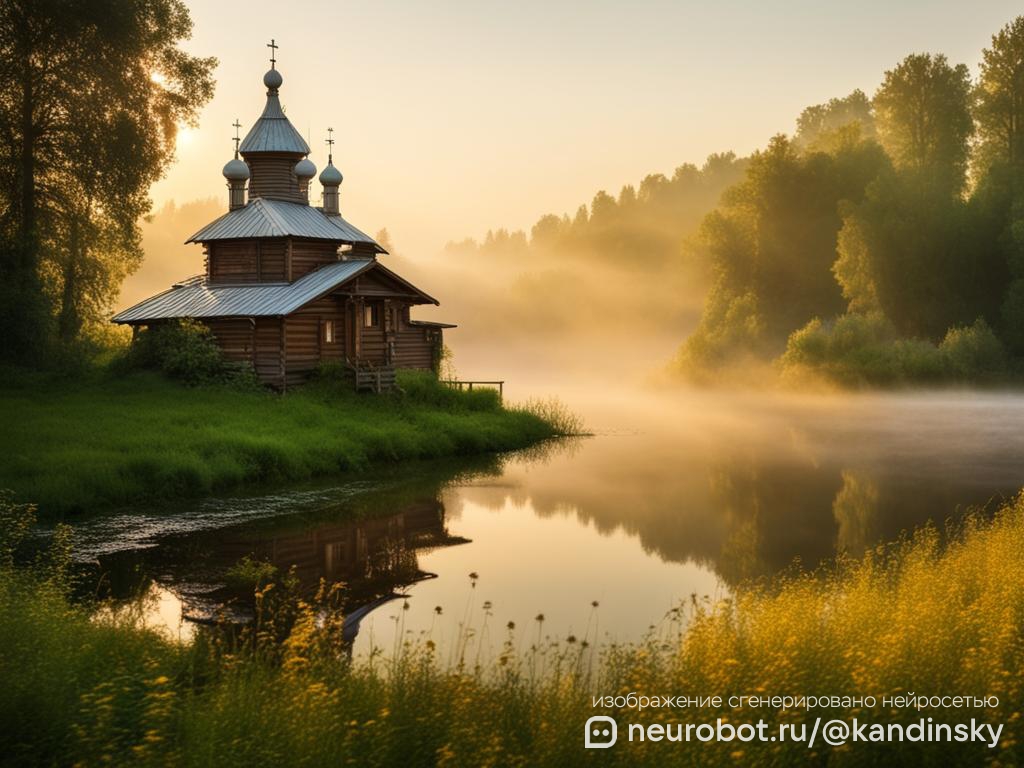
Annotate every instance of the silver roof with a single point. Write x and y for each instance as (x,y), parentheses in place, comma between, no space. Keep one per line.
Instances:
(197,298)
(263,217)
(273,132)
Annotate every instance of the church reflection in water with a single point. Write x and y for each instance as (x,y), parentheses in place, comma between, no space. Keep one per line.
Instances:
(370,541)
(380,551)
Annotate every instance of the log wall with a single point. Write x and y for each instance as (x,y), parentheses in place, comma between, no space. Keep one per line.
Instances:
(247,261)
(269,341)
(236,338)
(272,177)
(308,255)
(286,351)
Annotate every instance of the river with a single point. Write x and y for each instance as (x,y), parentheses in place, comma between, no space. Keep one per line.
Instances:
(677,495)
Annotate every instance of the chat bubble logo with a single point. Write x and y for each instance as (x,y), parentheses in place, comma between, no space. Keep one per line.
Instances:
(600,732)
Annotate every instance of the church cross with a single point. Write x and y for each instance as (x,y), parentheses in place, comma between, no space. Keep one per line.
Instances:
(237,126)
(330,144)
(273,52)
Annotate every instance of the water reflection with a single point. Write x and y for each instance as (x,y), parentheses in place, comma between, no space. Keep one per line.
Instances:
(675,496)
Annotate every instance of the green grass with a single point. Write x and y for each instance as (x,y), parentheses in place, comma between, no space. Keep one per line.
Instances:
(73,445)
(919,616)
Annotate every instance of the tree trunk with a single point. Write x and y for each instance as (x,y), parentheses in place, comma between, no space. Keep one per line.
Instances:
(68,323)
(27,168)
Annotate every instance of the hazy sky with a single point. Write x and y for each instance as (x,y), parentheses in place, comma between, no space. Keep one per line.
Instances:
(453,117)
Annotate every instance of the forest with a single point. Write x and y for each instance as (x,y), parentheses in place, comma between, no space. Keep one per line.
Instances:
(881,243)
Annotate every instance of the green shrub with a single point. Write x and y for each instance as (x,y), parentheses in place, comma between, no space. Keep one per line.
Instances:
(974,353)
(184,350)
(858,349)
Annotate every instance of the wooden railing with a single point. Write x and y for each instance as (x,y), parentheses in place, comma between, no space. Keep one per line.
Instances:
(460,385)
(375,378)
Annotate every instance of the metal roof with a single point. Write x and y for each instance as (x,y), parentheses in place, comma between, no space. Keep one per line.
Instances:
(273,132)
(197,298)
(263,217)
(432,324)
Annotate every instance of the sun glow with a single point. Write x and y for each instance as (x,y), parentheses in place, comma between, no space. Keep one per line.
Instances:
(185,136)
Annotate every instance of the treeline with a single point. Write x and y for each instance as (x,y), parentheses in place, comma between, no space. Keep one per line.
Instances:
(93,96)
(646,225)
(621,264)
(884,241)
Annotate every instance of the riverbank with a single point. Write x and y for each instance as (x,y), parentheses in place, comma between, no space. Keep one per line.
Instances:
(96,441)
(923,617)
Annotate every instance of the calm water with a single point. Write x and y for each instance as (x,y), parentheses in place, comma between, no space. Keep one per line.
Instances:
(676,495)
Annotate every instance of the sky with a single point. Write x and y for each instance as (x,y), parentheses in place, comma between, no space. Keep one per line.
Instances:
(453,116)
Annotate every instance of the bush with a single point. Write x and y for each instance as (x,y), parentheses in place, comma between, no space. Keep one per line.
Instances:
(974,353)
(860,349)
(187,351)
(731,331)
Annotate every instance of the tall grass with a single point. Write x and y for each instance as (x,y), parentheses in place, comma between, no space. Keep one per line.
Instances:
(923,616)
(553,411)
(97,441)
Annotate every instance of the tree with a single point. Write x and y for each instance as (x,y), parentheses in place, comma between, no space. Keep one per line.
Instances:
(923,115)
(95,91)
(772,242)
(837,123)
(1000,99)
(921,256)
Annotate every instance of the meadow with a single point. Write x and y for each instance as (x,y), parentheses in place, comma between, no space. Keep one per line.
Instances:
(932,615)
(95,440)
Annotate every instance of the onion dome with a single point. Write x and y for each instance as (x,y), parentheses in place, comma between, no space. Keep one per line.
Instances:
(331,176)
(304,169)
(236,170)
(273,79)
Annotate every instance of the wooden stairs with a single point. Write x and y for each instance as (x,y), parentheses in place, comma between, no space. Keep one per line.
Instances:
(372,378)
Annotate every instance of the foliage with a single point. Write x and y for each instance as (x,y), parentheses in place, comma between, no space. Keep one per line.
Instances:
(916,255)
(251,574)
(839,122)
(857,350)
(1000,109)
(974,353)
(772,243)
(97,440)
(923,113)
(444,362)
(187,351)
(94,94)
(920,256)
(937,615)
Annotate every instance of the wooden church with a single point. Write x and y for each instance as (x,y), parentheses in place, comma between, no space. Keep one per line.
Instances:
(288,285)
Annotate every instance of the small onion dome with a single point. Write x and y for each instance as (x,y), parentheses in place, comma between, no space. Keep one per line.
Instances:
(273,79)
(331,176)
(236,170)
(305,169)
